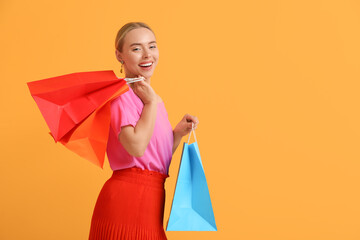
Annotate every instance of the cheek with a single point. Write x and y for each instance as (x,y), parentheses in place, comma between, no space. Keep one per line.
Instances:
(132,60)
(156,56)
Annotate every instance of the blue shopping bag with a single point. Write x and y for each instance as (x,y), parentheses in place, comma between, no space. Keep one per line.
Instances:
(191,208)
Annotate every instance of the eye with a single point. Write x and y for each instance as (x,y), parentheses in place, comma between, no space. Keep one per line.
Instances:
(153,46)
(136,49)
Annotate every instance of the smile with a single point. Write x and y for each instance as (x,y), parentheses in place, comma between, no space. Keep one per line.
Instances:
(146,64)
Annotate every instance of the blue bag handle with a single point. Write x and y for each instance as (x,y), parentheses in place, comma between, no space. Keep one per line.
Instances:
(192,130)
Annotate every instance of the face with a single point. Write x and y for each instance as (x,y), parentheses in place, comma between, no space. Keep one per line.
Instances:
(139,54)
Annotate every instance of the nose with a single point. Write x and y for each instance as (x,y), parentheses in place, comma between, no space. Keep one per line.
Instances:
(146,53)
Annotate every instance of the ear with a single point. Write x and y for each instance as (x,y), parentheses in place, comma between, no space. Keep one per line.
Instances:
(118,55)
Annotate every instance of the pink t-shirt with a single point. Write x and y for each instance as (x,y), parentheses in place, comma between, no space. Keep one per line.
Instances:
(126,110)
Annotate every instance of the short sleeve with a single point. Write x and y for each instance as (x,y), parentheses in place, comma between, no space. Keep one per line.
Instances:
(123,112)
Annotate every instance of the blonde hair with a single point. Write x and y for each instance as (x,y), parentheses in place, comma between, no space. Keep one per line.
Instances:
(119,40)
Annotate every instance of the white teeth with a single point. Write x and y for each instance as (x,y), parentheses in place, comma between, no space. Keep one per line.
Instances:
(145,65)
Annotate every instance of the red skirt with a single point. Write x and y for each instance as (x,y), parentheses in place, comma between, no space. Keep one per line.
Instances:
(130,206)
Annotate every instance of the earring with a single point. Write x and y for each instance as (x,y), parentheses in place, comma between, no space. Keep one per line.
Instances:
(121,70)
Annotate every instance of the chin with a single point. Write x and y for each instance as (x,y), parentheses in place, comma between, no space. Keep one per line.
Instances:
(146,75)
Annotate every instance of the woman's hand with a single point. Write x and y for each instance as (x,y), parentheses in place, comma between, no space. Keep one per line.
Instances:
(183,128)
(185,125)
(144,91)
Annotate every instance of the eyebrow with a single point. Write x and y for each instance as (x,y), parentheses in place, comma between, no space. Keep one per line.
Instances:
(140,43)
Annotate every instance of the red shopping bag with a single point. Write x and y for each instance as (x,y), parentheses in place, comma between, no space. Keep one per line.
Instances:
(76,108)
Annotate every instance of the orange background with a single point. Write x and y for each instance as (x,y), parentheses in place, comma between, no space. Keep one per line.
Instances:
(275,85)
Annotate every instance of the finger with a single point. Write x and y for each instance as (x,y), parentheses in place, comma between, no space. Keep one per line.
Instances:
(190,118)
(139,83)
(187,117)
(196,121)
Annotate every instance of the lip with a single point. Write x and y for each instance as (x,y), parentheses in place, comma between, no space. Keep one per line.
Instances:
(148,68)
(145,62)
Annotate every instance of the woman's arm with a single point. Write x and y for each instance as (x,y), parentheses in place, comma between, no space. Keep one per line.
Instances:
(135,139)
(177,140)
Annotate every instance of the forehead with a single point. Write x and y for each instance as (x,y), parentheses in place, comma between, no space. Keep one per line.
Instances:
(139,35)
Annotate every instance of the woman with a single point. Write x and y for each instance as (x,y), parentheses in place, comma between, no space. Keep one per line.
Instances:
(140,147)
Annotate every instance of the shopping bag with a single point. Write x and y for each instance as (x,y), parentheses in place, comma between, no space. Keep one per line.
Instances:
(65,101)
(89,139)
(76,108)
(191,208)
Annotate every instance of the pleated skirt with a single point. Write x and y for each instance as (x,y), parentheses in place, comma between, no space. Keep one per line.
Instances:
(130,206)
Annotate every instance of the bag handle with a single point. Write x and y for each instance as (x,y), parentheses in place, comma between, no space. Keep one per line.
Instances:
(192,130)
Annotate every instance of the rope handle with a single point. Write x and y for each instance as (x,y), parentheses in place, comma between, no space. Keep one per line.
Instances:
(192,130)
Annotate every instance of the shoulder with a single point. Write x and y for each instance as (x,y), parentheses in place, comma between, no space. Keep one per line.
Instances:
(128,100)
